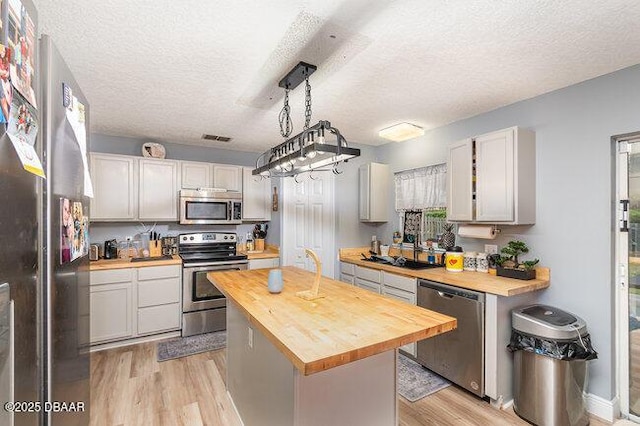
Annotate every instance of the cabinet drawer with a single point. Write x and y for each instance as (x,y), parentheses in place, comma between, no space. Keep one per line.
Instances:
(368,274)
(347,268)
(155,272)
(159,318)
(345,278)
(368,285)
(405,296)
(400,282)
(110,276)
(264,263)
(158,292)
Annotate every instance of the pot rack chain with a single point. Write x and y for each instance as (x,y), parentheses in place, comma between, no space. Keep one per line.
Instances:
(307,103)
(286,126)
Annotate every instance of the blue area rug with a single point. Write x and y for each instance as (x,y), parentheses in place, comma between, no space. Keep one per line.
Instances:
(415,382)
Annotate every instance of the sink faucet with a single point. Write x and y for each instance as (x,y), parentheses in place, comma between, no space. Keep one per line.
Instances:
(415,247)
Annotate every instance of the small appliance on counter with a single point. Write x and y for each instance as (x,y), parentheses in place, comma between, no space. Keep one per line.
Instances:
(169,246)
(110,249)
(375,245)
(94,252)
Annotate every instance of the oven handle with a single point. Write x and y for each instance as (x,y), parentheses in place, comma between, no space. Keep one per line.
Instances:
(195,267)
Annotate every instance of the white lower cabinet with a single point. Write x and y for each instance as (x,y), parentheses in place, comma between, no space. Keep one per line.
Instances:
(264,263)
(135,302)
(159,290)
(369,279)
(347,272)
(401,288)
(111,302)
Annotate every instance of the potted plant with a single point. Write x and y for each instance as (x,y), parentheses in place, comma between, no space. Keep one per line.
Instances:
(508,265)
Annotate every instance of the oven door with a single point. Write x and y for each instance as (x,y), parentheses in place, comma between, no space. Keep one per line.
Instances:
(203,211)
(197,291)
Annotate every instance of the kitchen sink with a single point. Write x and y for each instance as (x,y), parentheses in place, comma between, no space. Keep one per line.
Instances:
(412,264)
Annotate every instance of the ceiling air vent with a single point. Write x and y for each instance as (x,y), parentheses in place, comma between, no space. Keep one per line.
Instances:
(216,138)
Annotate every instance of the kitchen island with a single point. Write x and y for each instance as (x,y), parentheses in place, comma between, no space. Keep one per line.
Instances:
(329,361)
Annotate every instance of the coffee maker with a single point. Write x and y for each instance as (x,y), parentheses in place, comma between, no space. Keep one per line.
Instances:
(110,249)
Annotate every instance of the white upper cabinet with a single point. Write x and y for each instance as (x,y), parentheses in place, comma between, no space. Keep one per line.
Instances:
(159,186)
(460,181)
(196,175)
(227,177)
(503,177)
(374,192)
(115,187)
(256,196)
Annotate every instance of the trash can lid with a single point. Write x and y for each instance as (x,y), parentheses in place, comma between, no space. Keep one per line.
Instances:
(547,322)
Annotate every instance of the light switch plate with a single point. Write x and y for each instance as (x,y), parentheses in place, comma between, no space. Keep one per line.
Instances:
(491,248)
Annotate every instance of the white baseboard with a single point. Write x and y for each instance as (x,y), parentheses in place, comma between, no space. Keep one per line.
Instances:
(603,408)
(145,339)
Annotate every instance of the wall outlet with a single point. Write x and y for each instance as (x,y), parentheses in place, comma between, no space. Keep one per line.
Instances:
(250,337)
(491,248)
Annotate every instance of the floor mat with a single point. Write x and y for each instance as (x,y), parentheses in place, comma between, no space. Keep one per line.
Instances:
(185,346)
(415,382)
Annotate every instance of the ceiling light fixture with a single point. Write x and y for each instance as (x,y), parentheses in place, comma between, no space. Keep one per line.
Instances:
(401,132)
(320,147)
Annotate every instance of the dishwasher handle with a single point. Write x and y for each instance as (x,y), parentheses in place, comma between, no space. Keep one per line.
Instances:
(449,291)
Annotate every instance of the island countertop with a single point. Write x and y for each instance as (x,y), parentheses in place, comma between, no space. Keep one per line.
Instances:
(347,325)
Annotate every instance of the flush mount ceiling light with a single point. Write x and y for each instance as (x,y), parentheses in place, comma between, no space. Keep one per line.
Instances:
(320,147)
(401,132)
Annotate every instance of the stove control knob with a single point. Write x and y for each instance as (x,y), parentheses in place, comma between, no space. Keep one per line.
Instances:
(191,238)
(226,237)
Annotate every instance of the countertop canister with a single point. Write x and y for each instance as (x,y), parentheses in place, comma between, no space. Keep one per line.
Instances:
(454,260)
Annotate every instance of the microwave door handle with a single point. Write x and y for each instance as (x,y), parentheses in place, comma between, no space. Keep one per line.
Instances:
(229,210)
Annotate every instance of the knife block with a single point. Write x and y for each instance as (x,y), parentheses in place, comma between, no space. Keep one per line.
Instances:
(155,248)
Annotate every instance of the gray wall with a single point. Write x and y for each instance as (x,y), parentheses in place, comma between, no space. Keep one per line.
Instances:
(573,230)
(133,146)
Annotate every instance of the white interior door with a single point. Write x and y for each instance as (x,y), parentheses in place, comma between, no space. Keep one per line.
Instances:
(628,277)
(308,221)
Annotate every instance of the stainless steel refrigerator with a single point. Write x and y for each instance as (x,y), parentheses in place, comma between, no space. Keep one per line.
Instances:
(47,358)
(66,285)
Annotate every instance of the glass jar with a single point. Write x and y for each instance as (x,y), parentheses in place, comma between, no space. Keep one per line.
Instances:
(123,250)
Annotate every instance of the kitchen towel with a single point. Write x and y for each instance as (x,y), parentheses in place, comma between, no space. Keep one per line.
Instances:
(415,382)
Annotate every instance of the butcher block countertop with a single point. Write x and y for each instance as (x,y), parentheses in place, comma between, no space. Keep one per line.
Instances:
(348,324)
(270,252)
(107,264)
(478,281)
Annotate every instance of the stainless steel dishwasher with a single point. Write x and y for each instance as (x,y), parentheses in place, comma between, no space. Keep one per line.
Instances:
(457,355)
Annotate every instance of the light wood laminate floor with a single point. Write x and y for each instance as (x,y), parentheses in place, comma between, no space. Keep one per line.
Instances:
(129,387)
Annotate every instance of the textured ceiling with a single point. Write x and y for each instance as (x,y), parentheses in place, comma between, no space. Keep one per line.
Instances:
(173,70)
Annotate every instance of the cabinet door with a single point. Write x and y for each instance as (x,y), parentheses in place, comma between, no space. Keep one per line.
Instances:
(114,187)
(111,309)
(156,319)
(227,177)
(460,181)
(365,193)
(368,285)
(256,196)
(195,175)
(345,278)
(159,186)
(494,177)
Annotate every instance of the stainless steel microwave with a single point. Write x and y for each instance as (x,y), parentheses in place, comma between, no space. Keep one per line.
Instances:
(210,207)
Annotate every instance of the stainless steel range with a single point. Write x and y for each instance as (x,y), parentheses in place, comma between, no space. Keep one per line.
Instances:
(204,307)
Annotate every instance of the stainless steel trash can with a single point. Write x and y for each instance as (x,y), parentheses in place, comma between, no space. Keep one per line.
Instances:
(551,348)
